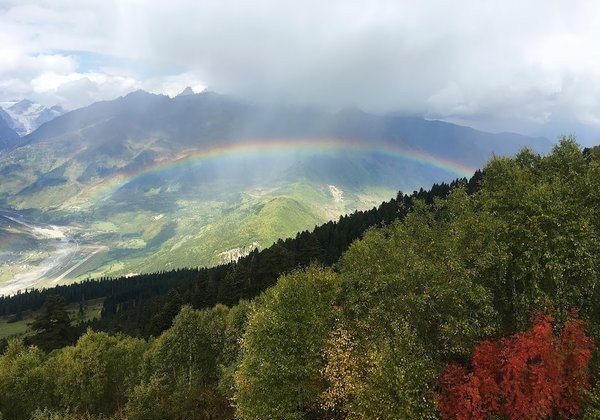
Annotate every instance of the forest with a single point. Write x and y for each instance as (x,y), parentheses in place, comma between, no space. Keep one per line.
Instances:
(475,300)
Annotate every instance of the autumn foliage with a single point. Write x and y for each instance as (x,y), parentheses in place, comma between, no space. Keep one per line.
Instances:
(534,374)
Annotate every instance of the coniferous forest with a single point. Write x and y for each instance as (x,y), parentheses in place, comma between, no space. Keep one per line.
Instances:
(474,300)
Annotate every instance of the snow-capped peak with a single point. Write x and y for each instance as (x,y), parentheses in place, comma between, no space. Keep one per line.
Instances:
(25,116)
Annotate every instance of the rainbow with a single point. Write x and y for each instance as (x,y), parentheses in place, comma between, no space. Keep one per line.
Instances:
(263,147)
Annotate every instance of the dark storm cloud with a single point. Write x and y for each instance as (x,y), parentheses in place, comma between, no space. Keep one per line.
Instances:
(501,65)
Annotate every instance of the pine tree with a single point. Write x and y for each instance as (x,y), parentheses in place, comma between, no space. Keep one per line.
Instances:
(52,326)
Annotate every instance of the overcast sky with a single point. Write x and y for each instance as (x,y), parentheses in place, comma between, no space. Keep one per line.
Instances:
(526,66)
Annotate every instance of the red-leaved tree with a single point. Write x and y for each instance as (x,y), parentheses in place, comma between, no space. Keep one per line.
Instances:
(530,375)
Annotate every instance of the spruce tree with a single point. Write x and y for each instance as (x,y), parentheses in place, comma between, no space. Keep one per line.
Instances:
(52,326)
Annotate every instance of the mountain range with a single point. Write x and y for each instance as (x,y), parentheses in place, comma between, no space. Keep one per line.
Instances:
(146,182)
(25,116)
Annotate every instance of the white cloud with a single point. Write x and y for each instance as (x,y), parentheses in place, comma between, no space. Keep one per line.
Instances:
(496,65)
(172,85)
(80,89)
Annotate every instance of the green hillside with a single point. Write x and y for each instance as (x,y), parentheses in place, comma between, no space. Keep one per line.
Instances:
(157,229)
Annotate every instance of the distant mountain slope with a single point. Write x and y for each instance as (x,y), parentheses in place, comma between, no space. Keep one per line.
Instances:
(116,138)
(8,137)
(199,120)
(25,116)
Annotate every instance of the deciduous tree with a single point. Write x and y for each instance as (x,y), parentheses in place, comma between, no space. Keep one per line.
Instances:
(534,374)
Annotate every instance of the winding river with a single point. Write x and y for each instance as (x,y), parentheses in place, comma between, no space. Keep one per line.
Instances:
(65,254)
